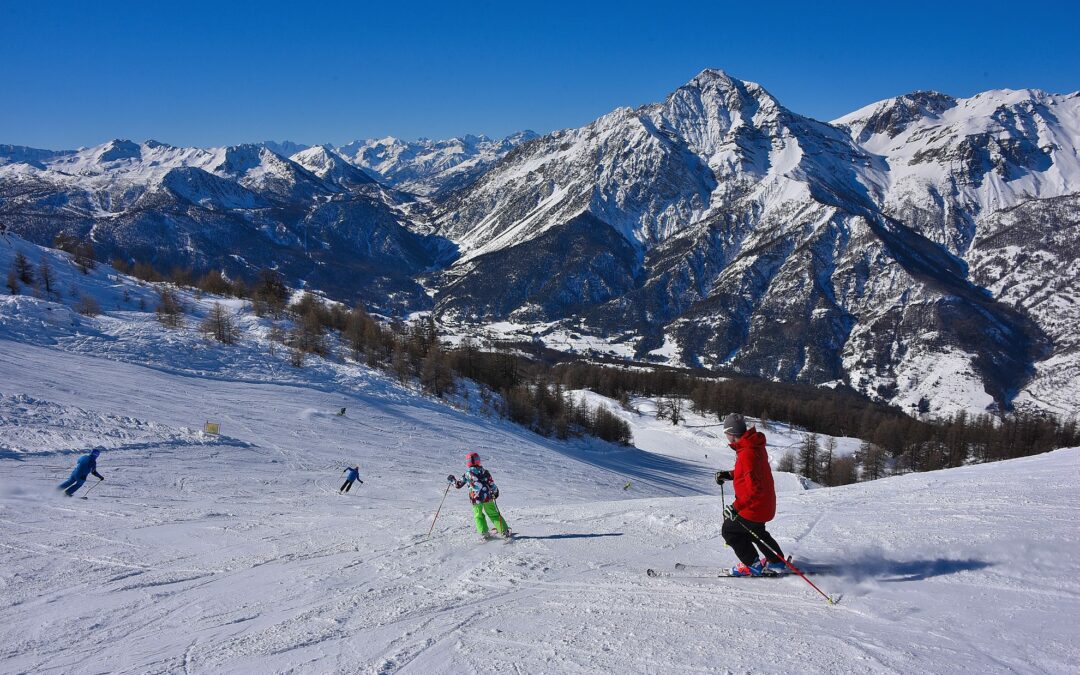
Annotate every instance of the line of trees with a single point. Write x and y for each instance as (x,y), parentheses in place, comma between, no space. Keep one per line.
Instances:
(516,388)
(892,442)
(534,391)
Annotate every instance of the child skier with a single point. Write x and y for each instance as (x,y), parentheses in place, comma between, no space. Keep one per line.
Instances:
(84,468)
(754,505)
(482,493)
(352,473)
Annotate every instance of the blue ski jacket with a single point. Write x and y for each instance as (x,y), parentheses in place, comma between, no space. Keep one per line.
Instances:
(351,474)
(86,465)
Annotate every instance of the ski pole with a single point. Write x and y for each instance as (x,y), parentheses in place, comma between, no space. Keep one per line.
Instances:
(723,502)
(794,569)
(91,488)
(432,528)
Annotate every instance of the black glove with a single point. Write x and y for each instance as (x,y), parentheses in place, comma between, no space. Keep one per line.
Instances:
(360,481)
(451,479)
(730,513)
(722,476)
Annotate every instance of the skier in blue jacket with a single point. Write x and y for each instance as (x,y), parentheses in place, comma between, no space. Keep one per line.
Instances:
(351,473)
(85,467)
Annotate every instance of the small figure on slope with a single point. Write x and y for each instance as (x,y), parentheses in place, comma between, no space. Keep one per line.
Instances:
(482,493)
(84,468)
(754,505)
(352,473)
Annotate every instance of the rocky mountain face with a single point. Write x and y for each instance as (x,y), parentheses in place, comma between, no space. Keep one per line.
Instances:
(918,250)
(859,252)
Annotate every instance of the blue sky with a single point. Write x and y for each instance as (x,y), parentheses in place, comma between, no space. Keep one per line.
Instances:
(215,73)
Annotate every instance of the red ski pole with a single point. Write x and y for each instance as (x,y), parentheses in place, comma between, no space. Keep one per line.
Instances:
(787,562)
(794,569)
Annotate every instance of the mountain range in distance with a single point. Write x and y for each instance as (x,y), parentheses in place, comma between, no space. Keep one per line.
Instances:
(919,250)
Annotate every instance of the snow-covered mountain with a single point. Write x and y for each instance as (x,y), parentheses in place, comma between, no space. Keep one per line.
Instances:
(12,154)
(284,148)
(318,219)
(917,248)
(950,161)
(325,163)
(427,167)
(719,228)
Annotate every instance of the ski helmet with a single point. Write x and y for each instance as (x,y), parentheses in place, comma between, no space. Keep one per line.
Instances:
(472,459)
(95,452)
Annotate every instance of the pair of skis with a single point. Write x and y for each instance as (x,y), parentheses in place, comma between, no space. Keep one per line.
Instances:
(684,571)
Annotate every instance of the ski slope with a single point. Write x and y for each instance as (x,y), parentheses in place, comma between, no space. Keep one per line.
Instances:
(236,553)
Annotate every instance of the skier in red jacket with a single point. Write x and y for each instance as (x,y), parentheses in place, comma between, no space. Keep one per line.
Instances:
(755,502)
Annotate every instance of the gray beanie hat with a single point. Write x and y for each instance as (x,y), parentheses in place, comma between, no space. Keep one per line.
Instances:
(735,424)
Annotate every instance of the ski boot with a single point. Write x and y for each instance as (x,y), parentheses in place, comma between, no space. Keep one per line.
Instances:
(777,567)
(743,570)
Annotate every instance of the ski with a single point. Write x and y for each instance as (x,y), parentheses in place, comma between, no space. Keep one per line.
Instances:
(691,571)
(719,574)
(723,572)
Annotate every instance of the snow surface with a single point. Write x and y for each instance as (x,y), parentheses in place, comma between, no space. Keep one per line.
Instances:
(236,554)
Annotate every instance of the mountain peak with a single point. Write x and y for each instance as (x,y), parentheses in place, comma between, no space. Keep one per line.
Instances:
(239,159)
(118,149)
(893,115)
(326,163)
(283,148)
(711,76)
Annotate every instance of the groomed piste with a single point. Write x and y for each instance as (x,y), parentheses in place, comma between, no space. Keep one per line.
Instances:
(236,552)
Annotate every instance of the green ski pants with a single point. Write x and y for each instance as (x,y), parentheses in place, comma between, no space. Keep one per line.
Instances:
(492,510)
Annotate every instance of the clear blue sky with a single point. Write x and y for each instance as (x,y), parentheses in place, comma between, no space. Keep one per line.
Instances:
(214,73)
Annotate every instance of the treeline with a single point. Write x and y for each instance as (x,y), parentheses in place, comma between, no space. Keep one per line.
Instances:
(892,442)
(533,391)
(414,351)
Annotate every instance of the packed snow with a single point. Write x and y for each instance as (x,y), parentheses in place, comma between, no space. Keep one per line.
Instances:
(236,552)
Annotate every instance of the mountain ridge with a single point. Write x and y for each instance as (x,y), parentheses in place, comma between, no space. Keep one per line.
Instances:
(862,251)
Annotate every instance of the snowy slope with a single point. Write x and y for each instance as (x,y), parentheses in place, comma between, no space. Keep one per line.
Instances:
(234,553)
(952,161)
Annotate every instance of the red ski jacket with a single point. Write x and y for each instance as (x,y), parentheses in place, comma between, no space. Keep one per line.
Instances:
(755,496)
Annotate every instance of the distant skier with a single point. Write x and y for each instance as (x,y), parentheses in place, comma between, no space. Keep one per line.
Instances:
(755,502)
(352,473)
(85,467)
(482,493)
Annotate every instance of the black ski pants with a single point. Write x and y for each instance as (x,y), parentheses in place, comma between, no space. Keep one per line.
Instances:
(743,543)
(346,486)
